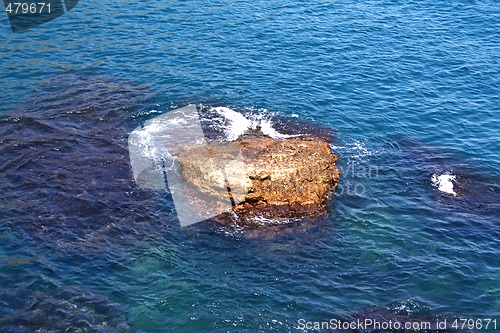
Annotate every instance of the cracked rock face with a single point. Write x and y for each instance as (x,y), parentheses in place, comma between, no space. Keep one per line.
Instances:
(269,181)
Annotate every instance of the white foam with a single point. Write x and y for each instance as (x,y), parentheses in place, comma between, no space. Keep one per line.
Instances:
(444,182)
(146,141)
(267,128)
(355,150)
(238,124)
(361,149)
(156,132)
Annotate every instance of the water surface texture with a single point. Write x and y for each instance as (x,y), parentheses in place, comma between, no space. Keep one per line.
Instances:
(409,91)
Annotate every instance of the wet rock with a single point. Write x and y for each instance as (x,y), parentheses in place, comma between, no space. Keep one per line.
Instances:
(269,181)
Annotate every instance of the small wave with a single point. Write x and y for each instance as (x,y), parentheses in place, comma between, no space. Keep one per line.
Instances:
(267,128)
(361,150)
(237,124)
(409,307)
(231,123)
(444,182)
(354,151)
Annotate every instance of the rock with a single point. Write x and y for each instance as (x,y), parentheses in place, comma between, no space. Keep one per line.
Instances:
(269,181)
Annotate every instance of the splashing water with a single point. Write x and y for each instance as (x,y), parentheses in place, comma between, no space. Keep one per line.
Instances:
(237,124)
(444,182)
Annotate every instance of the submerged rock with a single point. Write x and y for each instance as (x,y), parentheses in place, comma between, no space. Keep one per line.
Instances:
(458,182)
(67,310)
(269,181)
(66,179)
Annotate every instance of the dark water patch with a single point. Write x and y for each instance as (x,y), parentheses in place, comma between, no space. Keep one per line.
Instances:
(475,189)
(294,125)
(66,172)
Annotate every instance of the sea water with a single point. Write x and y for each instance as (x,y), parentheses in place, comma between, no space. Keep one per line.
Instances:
(407,90)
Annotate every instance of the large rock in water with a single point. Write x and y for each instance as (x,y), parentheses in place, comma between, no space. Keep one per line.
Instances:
(269,181)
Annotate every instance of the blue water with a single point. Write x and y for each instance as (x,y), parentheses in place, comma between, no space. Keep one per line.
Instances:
(410,89)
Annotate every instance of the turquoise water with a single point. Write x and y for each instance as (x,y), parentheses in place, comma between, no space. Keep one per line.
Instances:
(410,89)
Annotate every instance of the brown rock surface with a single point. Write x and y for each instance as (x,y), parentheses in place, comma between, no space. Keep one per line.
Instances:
(267,180)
